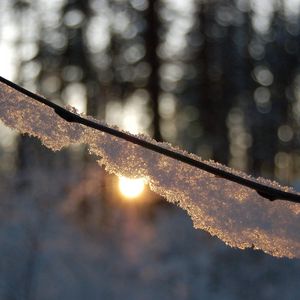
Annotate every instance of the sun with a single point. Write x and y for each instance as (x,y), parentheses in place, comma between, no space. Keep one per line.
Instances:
(131,188)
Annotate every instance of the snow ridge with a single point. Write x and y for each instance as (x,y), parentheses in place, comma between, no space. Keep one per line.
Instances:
(234,213)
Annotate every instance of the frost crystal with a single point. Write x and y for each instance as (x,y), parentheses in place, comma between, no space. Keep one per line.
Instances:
(232,212)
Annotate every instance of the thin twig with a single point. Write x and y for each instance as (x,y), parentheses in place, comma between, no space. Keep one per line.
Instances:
(263,190)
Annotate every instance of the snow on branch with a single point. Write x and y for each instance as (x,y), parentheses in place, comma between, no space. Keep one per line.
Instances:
(227,203)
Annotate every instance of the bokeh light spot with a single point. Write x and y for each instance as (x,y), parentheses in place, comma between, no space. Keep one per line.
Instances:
(131,188)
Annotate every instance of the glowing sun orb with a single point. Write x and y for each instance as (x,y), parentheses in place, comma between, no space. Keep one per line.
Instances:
(131,188)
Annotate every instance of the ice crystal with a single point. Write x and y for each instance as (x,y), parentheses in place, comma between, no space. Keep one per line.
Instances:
(230,211)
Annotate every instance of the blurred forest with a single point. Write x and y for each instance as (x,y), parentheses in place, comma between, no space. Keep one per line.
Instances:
(218,78)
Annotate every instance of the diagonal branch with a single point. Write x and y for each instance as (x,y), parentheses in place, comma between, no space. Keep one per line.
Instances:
(263,190)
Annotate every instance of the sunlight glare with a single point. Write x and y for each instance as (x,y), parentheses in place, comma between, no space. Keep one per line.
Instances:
(131,188)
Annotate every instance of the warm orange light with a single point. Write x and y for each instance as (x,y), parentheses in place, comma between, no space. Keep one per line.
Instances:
(131,188)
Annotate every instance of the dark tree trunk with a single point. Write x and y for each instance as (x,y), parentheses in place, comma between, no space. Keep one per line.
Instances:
(152,43)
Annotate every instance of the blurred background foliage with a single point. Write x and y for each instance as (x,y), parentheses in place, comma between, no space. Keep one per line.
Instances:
(219,78)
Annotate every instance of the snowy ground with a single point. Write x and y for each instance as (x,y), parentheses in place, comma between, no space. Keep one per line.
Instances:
(132,253)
